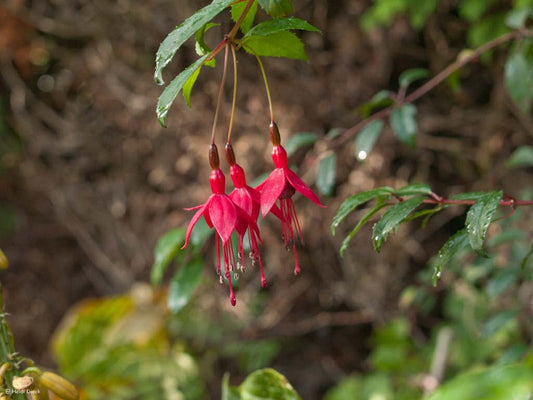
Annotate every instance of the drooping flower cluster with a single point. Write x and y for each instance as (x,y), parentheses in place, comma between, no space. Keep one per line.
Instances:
(238,212)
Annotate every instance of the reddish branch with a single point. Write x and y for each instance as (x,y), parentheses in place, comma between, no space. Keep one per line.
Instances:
(432,83)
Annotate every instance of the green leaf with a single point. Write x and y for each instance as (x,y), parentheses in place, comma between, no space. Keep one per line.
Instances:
(272,26)
(373,211)
(411,75)
(236,11)
(517,17)
(521,157)
(183,284)
(497,322)
(229,392)
(267,384)
(453,245)
(479,217)
(380,100)
(501,281)
(200,233)
(519,80)
(327,172)
(178,36)
(201,47)
(468,196)
(299,140)
(494,383)
(276,8)
(404,124)
(391,219)
(527,257)
(172,90)
(414,189)
(366,139)
(166,248)
(188,85)
(280,44)
(352,202)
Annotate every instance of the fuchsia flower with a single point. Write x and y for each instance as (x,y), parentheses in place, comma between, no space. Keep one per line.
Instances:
(281,185)
(220,212)
(249,200)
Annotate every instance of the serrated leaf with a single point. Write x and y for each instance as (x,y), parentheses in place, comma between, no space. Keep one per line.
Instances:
(468,196)
(272,26)
(228,391)
(479,217)
(276,8)
(414,189)
(412,75)
(166,248)
(280,44)
(373,211)
(326,176)
(183,284)
(404,124)
(519,80)
(497,322)
(187,87)
(517,18)
(236,11)
(366,139)
(521,157)
(299,140)
(391,219)
(453,245)
(267,384)
(170,45)
(172,90)
(352,202)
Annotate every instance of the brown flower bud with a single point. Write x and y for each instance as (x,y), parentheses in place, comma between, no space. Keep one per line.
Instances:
(213,157)
(230,155)
(274,134)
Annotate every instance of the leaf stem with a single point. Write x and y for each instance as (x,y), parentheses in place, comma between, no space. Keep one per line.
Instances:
(220,91)
(230,128)
(433,82)
(263,73)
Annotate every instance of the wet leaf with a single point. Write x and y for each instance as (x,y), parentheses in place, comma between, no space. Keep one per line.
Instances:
(187,87)
(453,245)
(183,284)
(166,248)
(391,219)
(404,124)
(170,45)
(236,11)
(272,26)
(479,217)
(352,202)
(367,137)
(172,90)
(327,172)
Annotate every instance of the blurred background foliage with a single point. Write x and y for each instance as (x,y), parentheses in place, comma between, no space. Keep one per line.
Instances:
(89,182)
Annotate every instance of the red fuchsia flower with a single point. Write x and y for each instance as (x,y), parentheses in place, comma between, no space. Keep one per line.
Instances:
(281,185)
(249,200)
(220,212)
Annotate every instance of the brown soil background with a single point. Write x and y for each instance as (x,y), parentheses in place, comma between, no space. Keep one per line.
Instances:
(97,180)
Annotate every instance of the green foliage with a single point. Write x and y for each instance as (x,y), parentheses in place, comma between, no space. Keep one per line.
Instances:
(165,250)
(237,9)
(380,100)
(453,245)
(325,180)
(404,124)
(367,137)
(298,141)
(277,8)
(479,218)
(384,11)
(279,44)
(409,76)
(184,283)
(519,79)
(265,384)
(521,157)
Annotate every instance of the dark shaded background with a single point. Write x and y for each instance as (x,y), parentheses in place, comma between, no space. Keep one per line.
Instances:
(90,179)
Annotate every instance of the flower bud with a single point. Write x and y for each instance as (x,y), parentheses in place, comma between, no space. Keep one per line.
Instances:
(274,134)
(59,385)
(230,155)
(213,156)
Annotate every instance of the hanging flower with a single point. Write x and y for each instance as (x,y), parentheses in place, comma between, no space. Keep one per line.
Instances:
(281,185)
(220,212)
